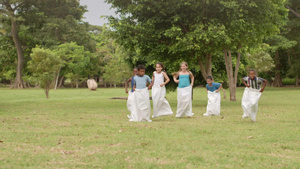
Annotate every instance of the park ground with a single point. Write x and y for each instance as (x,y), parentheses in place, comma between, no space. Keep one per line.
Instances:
(86,129)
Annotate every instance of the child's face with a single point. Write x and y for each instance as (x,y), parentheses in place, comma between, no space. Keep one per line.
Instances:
(208,81)
(141,72)
(251,74)
(158,68)
(135,71)
(183,67)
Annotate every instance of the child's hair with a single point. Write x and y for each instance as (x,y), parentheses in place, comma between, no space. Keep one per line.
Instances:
(184,64)
(141,67)
(209,77)
(177,73)
(252,70)
(135,68)
(159,63)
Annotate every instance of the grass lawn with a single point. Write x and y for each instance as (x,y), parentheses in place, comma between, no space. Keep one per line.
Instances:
(85,129)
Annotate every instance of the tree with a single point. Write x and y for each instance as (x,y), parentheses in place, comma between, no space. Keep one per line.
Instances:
(293,33)
(44,65)
(11,10)
(75,61)
(172,31)
(278,44)
(45,23)
(116,70)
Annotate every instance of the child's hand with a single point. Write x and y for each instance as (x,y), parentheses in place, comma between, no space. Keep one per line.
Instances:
(149,87)
(133,89)
(248,86)
(192,84)
(161,85)
(176,81)
(261,90)
(217,91)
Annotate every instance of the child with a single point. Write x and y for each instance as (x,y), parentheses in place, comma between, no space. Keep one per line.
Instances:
(135,71)
(252,94)
(161,106)
(214,97)
(184,91)
(141,96)
(130,98)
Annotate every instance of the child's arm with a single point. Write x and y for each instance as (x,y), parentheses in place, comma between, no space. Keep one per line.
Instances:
(153,77)
(245,83)
(175,77)
(264,85)
(134,87)
(167,79)
(192,78)
(126,84)
(219,88)
(150,83)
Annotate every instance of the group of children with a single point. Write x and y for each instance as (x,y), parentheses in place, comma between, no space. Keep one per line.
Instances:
(138,102)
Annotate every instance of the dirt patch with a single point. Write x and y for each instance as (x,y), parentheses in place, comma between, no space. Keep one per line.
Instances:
(120,98)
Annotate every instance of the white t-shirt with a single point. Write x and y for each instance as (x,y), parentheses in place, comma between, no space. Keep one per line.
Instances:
(158,78)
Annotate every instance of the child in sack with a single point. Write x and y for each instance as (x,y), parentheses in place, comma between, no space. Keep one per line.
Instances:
(184,91)
(252,94)
(130,99)
(214,97)
(141,95)
(161,106)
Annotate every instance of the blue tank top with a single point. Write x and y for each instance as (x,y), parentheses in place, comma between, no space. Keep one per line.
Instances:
(132,83)
(184,81)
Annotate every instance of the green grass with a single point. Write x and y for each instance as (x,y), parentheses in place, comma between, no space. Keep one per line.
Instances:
(85,129)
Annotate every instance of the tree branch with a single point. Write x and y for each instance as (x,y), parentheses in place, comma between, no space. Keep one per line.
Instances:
(294,12)
(20,4)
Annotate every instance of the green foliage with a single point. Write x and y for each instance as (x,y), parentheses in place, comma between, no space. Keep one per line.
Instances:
(43,65)
(116,71)
(288,81)
(75,61)
(260,60)
(175,31)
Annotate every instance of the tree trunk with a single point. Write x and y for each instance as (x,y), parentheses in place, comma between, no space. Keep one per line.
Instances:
(207,69)
(297,81)
(28,84)
(56,81)
(14,32)
(77,82)
(277,80)
(224,93)
(232,76)
(61,82)
(46,89)
(115,86)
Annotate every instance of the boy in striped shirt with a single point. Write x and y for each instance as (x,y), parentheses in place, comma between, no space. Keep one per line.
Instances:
(254,88)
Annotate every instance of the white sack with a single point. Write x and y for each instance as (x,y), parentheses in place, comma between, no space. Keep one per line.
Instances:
(131,106)
(142,106)
(92,84)
(213,104)
(250,102)
(184,102)
(161,106)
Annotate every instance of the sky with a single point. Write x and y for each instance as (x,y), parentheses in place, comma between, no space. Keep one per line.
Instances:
(96,8)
